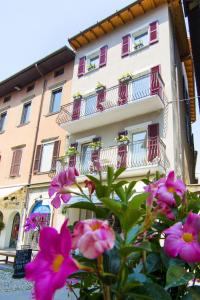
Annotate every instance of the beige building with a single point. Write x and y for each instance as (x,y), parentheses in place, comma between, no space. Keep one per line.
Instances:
(131,71)
(30,139)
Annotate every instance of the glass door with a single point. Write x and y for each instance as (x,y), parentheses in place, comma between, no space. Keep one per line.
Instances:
(85,158)
(139,148)
(141,87)
(90,105)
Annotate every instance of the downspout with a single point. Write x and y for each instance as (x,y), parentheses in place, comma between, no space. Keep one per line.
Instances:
(26,204)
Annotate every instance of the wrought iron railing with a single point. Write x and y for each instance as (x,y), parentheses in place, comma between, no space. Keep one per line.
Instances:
(139,154)
(135,89)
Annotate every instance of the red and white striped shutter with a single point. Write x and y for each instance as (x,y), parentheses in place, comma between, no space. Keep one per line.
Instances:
(72,158)
(103,56)
(155,82)
(153,32)
(122,156)
(81,67)
(126,40)
(123,93)
(76,110)
(101,97)
(153,141)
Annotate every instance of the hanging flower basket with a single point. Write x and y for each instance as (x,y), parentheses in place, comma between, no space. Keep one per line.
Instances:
(122,139)
(95,145)
(71,151)
(77,96)
(100,87)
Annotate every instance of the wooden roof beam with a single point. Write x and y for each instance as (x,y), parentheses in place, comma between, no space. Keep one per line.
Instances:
(131,13)
(100,25)
(111,23)
(121,18)
(94,33)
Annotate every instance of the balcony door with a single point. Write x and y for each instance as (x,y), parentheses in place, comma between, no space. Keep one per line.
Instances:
(85,159)
(90,105)
(139,149)
(141,87)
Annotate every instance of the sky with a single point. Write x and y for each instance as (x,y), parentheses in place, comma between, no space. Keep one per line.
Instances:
(32,29)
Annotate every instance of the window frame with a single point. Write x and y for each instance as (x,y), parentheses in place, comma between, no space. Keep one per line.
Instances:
(139,32)
(43,145)
(22,121)
(53,92)
(89,57)
(2,128)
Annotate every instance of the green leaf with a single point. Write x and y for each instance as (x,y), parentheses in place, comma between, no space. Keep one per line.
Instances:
(132,234)
(113,205)
(119,172)
(129,189)
(102,191)
(144,246)
(94,179)
(176,276)
(130,218)
(152,290)
(193,294)
(153,262)
(139,277)
(137,200)
(110,174)
(121,193)
(83,205)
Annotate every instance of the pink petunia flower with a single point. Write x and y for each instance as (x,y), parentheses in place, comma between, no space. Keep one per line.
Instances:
(53,264)
(58,188)
(183,240)
(93,237)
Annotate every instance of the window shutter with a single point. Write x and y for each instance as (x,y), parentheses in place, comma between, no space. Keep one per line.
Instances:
(38,157)
(72,159)
(95,155)
(123,93)
(81,67)
(122,156)
(16,161)
(153,141)
(103,56)
(153,32)
(56,151)
(155,81)
(76,110)
(101,97)
(126,45)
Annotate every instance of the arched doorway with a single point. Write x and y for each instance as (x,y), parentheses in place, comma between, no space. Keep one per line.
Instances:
(14,231)
(1,222)
(33,237)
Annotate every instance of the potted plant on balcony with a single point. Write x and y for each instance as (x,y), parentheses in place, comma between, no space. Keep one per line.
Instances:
(2,225)
(91,67)
(125,77)
(122,139)
(77,96)
(100,86)
(138,45)
(95,145)
(71,151)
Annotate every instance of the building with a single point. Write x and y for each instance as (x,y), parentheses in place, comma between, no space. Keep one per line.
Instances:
(30,139)
(131,71)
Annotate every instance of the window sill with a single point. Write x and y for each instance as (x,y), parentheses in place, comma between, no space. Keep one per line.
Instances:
(24,124)
(14,176)
(1,132)
(42,173)
(91,71)
(52,113)
(139,49)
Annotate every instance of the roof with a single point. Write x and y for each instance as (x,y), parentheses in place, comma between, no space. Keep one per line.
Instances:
(34,71)
(128,14)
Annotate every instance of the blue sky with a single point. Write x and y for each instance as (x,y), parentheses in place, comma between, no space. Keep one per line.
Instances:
(30,30)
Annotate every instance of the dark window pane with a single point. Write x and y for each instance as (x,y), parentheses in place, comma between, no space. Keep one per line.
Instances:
(56,100)
(2,121)
(26,113)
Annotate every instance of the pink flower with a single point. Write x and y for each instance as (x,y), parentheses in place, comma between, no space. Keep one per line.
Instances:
(58,188)
(90,185)
(183,240)
(93,237)
(53,264)
(36,221)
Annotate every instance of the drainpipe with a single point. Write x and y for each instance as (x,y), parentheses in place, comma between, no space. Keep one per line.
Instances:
(26,204)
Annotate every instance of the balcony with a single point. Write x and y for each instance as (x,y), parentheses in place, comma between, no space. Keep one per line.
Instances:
(139,96)
(138,158)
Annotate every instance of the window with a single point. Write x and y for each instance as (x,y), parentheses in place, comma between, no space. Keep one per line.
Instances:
(16,162)
(59,72)
(139,148)
(2,121)
(85,158)
(93,61)
(140,39)
(90,104)
(46,157)
(30,87)
(141,86)
(56,101)
(26,113)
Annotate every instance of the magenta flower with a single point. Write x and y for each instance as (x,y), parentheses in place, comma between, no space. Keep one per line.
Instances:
(53,264)
(183,240)
(93,237)
(58,188)
(36,221)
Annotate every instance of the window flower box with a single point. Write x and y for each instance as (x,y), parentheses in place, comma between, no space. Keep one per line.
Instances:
(126,77)
(71,151)
(91,67)
(95,145)
(77,96)
(122,139)
(100,87)
(138,45)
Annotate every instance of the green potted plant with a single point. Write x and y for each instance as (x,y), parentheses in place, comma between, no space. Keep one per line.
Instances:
(100,86)
(2,225)
(71,151)
(91,67)
(95,145)
(122,139)
(138,45)
(125,77)
(77,96)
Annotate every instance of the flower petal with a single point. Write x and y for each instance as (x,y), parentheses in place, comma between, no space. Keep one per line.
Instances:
(190,252)
(173,245)
(66,197)
(65,239)
(49,238)
(56,201)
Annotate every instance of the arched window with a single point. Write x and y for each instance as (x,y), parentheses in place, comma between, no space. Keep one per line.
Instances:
(14,231)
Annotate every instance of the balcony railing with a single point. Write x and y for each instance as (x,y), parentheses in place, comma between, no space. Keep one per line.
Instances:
(120,95)
(132,156)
